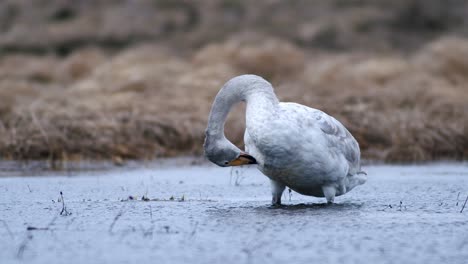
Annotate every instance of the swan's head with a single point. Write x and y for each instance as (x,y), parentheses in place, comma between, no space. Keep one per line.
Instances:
(223,153)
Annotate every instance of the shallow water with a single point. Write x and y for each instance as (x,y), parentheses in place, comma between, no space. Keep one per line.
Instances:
(403,214)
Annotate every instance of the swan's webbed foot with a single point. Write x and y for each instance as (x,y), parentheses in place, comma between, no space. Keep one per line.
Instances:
(275,206)
(277,189)
(329,191)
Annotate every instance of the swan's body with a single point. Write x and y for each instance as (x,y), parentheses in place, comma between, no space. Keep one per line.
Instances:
(294,145)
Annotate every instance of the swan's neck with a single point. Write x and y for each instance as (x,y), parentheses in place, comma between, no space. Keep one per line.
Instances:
(258,94)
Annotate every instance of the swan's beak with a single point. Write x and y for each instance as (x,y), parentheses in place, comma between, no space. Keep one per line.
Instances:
(243,159)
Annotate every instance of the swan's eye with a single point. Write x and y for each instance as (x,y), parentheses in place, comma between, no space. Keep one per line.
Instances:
(226,163)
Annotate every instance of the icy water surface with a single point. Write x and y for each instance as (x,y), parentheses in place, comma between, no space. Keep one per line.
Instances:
(203,214)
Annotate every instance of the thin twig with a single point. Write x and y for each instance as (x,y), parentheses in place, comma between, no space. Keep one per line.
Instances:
(31,228)
(115,220)
(7,228)
(64,208)
(194,231)
(23,245)
(458,196)
(461,211)
(230,175)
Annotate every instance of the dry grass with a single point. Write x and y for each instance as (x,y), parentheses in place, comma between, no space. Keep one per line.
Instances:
(64,26)
(146,102)
(92,90)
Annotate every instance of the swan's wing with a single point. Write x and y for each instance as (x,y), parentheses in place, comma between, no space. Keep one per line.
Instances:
(339,139)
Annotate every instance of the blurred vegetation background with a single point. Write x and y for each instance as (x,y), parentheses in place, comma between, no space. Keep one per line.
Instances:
(129,79)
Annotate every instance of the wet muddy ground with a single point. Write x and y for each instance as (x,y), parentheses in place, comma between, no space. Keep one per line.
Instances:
(204,214)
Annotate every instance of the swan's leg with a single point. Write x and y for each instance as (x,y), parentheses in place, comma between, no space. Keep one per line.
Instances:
(329,192)
(342,187)
(277,189)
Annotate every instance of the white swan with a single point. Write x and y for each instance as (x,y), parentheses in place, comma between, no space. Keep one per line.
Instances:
(294,145)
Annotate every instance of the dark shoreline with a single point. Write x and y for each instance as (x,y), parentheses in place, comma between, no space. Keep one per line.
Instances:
(10,168)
